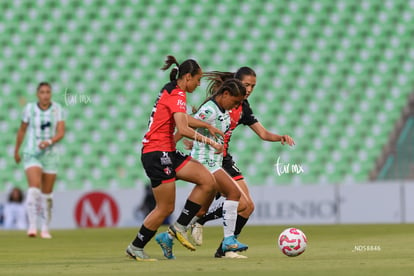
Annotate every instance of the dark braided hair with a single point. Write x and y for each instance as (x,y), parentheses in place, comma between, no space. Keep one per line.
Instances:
(233,86)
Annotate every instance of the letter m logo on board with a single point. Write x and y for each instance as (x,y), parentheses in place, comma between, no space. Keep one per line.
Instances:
(96,209)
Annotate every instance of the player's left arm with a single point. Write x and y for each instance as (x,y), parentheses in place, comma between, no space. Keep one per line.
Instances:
(266,135)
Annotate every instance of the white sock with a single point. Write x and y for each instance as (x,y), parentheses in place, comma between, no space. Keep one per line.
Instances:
(33,206)
(47,204)
(229,217)
(194,220)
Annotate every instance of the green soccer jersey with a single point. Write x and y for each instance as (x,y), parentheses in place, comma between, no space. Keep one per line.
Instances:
(214,115)
(41,125)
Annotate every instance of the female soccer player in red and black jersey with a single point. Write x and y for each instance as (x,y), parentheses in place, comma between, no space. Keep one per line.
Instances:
(243,114)
(163,164)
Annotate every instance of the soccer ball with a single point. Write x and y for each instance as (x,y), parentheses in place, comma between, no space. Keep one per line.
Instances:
(292,242)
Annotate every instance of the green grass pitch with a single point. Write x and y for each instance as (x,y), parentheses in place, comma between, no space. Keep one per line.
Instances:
(331,251)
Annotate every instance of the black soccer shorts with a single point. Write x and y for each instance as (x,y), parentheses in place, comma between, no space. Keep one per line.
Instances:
(162,166)
(230,167)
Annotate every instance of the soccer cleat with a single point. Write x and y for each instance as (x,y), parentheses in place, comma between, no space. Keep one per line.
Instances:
(219,252)
(138,254)
(197,233)
(231,244)
(45,235)
(166,245)
(233,255)
(181,236)
(32,232)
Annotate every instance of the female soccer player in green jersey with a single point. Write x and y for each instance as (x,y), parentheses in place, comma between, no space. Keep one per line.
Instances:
(240,115)
(44,122)
(215,111)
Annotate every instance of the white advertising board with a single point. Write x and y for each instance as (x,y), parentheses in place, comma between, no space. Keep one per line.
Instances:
(294,205)
(370,203)
(283,205)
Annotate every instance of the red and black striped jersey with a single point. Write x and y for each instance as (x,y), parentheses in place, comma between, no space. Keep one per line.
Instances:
(243,114)
(161,125)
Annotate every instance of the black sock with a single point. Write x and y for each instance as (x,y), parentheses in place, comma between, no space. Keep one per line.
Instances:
(143,237)
(218,213)
(189,211)
(240,223)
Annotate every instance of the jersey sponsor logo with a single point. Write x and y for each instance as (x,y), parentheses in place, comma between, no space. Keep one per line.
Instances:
(211,163)
(44,125)
(96,209)
(181,93)
(182,104)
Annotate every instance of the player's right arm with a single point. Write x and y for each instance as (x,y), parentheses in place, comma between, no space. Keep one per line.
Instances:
(19,139)
(196,123)
(181,122)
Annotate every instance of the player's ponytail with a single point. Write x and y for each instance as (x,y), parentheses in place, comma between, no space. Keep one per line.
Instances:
(217,78)
(167,64)
(189,66)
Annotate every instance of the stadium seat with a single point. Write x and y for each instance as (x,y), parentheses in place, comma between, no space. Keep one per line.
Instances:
(327,72)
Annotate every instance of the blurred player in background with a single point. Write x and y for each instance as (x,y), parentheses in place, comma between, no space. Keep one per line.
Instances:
(163,164)
(15,211)
(242,114)
(214,111)
(44,121)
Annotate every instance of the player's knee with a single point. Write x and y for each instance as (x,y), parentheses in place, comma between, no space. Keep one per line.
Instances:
(208,184)
(234,194)
(166,210)
(250,207)
(169,210)
(242,206)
